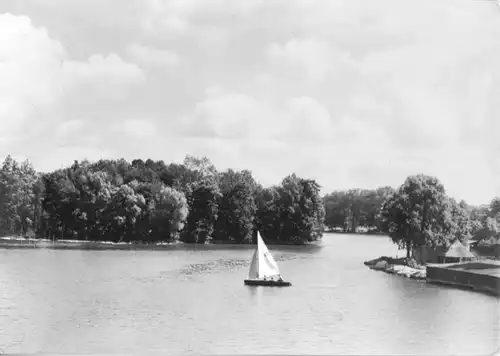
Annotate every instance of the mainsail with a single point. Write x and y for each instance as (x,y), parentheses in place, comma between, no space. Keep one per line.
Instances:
(263,264)
(254,266)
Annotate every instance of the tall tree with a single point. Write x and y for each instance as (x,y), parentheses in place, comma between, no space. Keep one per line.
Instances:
(268,214)
(237,207)
(302,212)
(18,199)
(203,211)
(418,213)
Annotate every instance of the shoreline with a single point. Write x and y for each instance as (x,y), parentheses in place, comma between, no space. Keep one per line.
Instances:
(481,276)
(66,244)
(397,266)
(368,233)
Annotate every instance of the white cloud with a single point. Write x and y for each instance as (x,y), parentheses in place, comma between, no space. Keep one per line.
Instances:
(112,67)
(27,70)
(307,119)
(317,57)
(153,56)
(37,74)
(238,116)
(40,80)
(166,15)
(180,16)
(231,115)
(349,92)
(139,128)
(69,128)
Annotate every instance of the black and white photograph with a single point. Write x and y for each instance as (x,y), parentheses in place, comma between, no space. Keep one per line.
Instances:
(250,177)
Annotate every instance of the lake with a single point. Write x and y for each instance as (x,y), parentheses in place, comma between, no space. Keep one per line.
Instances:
(194,301)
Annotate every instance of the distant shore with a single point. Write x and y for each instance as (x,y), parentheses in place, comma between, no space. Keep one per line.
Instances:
(66,244)
(371,233)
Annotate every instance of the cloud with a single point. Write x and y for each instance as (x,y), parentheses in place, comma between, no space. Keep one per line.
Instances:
(40,82)
(139,128)
(347,92)
(238,116)
(111,67)
(153,56)
(29,61)
(181,17)
(69,128)
(316,57)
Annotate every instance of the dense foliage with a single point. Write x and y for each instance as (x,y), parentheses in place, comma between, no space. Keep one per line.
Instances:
(349,210)
(21,192)
(115,200)
(151,201)
(420,213)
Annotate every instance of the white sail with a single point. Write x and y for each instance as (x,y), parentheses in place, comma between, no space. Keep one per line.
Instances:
(266,262)
(254,266)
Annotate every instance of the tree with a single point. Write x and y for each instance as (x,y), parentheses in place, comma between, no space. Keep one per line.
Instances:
(200,165)
(355,207)
(495,207)
(230,178)
(235,221)
(337,209)
(169,213)
(461,222)
(18,201)
(99,201)
(203,211)
(237,206)
(418,213)
(194,169)
(123,211)
(301,209)
(268,214)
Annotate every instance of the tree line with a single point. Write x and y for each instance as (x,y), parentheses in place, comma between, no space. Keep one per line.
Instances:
(354,208)
(419,212)
(150,201)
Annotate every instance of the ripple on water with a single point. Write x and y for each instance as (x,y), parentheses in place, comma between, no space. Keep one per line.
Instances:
(121,302)
(224,265)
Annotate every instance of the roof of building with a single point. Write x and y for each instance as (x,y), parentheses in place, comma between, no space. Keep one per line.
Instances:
(458,250)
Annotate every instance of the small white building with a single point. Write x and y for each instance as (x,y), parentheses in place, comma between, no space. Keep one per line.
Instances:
(30,234)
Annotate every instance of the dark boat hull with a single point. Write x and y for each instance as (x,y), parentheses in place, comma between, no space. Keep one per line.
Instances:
(261,282)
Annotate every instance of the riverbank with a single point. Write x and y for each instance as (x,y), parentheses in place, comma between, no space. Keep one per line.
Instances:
(397,266)
(481,276)
(16,242)
(65,244)
(367,232)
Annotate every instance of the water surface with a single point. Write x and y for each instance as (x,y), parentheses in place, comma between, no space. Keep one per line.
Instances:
(194,301)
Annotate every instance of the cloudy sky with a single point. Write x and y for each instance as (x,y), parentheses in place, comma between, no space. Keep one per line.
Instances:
(353,93)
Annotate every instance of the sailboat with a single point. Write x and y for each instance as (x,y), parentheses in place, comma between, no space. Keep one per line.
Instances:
(264,270)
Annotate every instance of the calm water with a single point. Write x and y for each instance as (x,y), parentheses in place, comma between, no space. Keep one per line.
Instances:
(194,301)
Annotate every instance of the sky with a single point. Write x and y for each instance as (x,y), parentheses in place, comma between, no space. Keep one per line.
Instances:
(352,93)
